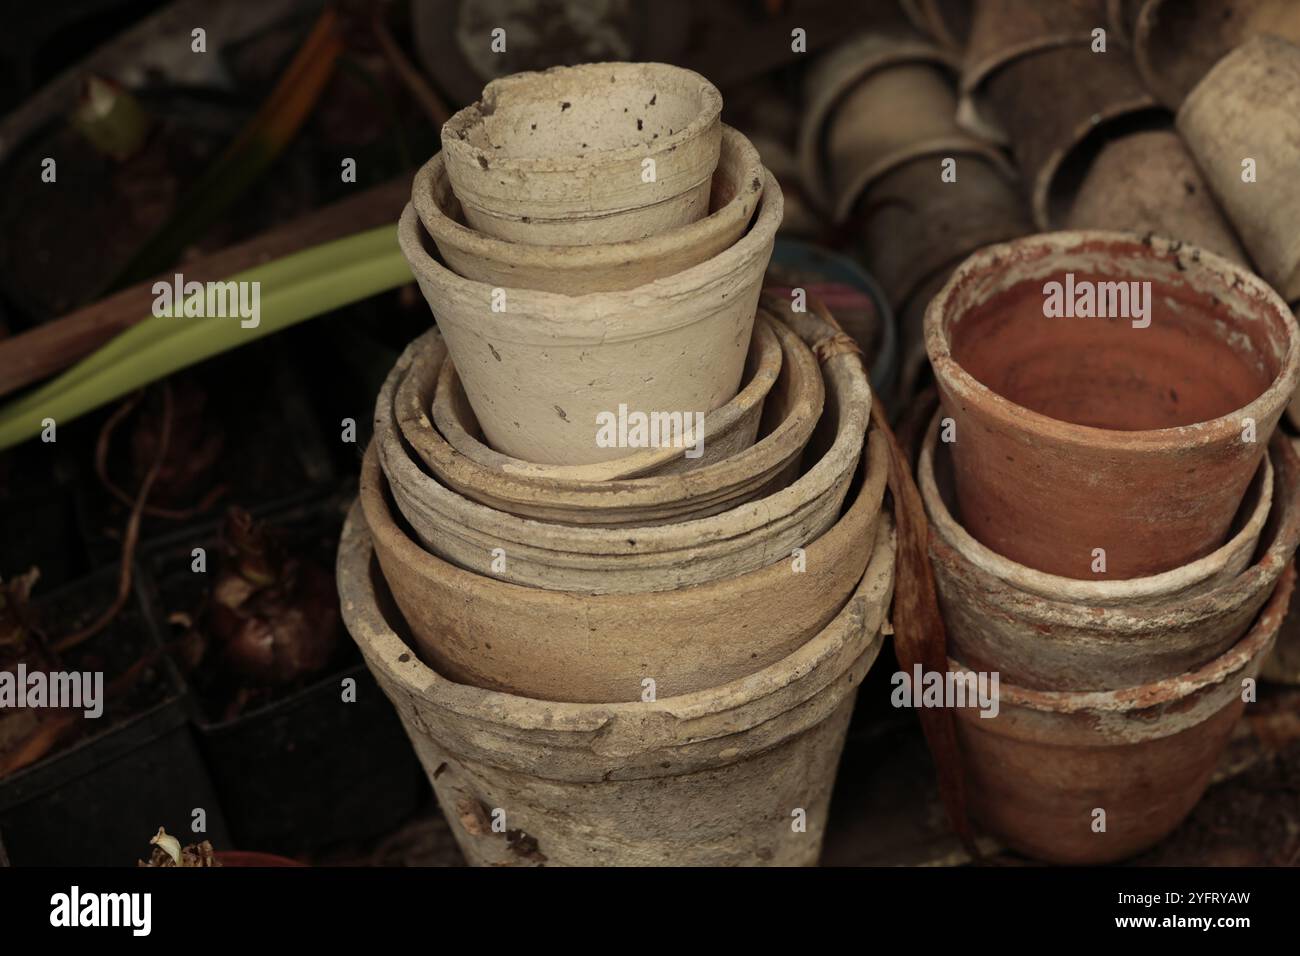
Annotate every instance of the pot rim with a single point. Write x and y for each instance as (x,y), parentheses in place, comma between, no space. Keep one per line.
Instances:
(621,476)
(455,130)
(1191,260)
(1170,689)
(1141,619)
(852,444)
(615,316)
(442,227)
(959,143)
(976,74)
(835,75)
(859,619)
(1073,590)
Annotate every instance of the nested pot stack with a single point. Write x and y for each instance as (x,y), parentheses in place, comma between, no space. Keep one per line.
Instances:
(881,138)
(633,634)
(1113,523)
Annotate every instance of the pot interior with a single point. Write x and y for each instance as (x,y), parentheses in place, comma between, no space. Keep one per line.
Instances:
(580,111)
(1197,360)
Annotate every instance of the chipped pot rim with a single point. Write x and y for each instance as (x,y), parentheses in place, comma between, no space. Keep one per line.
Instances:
(455,131)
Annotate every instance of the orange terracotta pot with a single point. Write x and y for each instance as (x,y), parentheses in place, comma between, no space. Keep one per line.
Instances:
(1075,434)
(1039,771)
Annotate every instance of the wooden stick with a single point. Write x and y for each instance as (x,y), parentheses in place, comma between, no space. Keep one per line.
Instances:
(52,347)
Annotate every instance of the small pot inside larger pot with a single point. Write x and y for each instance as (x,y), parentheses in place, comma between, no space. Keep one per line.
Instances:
(1112,397)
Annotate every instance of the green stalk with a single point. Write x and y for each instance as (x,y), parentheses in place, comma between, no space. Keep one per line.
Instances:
(277,273)
(373,264)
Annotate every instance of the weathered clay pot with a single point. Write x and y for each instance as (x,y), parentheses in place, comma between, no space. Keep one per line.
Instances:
(541,368)
(1038,772)
(1051,117)
(914,223)
(1246,108)
(1147,182)
(1076,434)
(606,560)
(560,645)
(560,157)
(664,495)
(897,114)
(712,777)
(1053,633)
(727,431)
(1003,31)
(1176,43)
(575,270)
(873,104)
(934,476)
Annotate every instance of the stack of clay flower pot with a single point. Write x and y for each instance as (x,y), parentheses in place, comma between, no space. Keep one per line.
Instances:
(1047,80)
(880,130)
(606,651)
(1113,525)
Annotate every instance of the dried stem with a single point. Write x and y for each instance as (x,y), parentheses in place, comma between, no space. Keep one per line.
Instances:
(132,535)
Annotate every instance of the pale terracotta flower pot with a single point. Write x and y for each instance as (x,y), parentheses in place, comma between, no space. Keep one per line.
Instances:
(578,269)
(1051,633)
(898,114)
(560,157)
(1002,32)
(1176,43)
(542,368)
(656,491)
(1078,434)
(1147,182)
(914,223)
(1038,773)
(727,431)
(1245,107)
(601,560)
(1052,118)
(1216,568)
(873,104)
(562,645)
(711,778)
